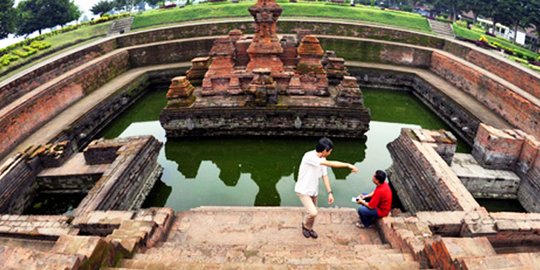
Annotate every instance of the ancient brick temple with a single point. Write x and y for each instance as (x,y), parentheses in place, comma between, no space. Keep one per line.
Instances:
(239,86)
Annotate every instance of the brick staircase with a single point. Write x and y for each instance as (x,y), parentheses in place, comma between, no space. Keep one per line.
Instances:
(269,238)
(441,28)
(120,26)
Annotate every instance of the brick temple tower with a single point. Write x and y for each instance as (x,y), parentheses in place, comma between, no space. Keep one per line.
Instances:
(265,50)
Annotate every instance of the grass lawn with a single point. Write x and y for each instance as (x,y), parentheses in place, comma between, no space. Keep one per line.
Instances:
(400,19)
(476,33)
(75,38)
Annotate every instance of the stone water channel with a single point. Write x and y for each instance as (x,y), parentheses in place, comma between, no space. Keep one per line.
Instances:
(262,171)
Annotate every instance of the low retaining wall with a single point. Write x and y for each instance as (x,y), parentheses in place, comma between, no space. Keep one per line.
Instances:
(285,25)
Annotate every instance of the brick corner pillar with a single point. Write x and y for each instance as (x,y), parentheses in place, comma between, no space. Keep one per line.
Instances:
(498,149)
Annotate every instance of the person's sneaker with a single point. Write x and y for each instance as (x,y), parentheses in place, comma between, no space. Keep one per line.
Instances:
(359,225)
(313,234)
(305,232)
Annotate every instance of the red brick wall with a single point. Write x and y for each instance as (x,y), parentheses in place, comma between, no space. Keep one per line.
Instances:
(28,82)
(522,78)
(20,122)
(530,155)
(516,109)
(498,142)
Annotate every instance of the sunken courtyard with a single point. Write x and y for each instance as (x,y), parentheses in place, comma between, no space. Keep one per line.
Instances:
(273,79)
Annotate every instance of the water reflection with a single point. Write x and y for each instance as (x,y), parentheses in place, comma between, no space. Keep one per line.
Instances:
(266,160)
(257,171)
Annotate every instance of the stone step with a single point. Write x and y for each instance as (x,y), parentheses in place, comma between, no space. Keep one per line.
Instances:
(276,255)
(208,252)
(268,226)
(372,264)
(22,258)
(35,244)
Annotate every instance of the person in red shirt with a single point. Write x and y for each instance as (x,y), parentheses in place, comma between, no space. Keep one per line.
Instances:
(380,201)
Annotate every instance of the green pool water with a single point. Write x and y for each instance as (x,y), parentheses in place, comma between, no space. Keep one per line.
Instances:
(262,171)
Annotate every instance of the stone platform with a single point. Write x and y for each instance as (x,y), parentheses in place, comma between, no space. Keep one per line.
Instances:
(291,116)
(483,182)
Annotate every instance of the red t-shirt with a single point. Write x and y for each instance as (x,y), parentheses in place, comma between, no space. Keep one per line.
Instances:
(382,199)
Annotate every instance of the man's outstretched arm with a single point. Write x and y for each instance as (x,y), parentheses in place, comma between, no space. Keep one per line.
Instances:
(339,164)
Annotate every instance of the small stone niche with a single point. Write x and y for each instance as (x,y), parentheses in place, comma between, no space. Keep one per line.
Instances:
(99,153)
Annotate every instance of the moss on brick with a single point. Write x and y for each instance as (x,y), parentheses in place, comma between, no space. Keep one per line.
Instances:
(354,50)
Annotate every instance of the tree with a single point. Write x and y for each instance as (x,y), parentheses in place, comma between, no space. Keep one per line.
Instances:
(503,12)
(126,4)
(102,7)
(8,16)
(153,3)
(477,7)
(521,8)
(35,15)
(453,7)
(27,19)
(58,12)
(533,18)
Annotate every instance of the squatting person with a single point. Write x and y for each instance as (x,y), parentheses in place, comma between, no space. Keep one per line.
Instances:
(380,201)
(314,166)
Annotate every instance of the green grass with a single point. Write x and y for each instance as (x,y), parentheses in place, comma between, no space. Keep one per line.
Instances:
(476,33)
(223,10)
(58,41)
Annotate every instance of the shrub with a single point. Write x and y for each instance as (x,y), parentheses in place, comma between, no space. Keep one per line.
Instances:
(25,51)
(483,39)
(519,60)
(109,18)
(443,19)
(406,8)
(7,58)
(535,68)
(40,45)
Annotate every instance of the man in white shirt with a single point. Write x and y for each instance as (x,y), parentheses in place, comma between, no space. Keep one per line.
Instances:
(314,166)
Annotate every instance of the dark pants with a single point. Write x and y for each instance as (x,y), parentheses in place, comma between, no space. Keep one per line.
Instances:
(367,216)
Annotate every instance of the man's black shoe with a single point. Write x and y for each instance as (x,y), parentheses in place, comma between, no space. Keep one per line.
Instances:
(305,232)
(313,234)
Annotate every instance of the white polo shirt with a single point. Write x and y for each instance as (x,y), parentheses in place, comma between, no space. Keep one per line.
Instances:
(309,174)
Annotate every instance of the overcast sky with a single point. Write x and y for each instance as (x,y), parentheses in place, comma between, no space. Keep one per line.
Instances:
(84,5)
